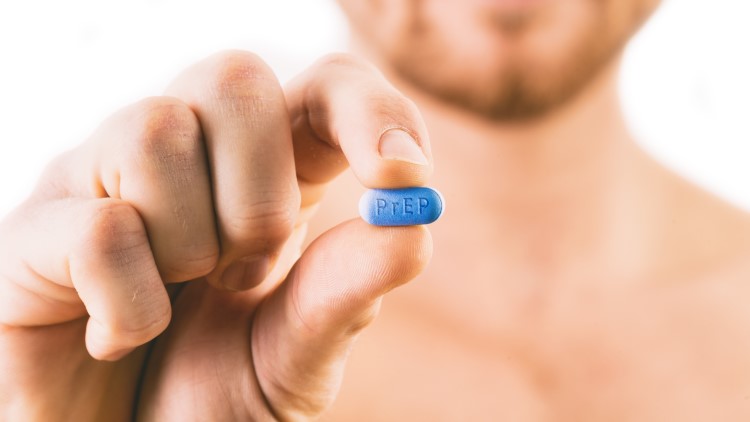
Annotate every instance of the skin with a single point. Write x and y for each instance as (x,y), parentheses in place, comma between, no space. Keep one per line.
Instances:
(227,168)
(573,278)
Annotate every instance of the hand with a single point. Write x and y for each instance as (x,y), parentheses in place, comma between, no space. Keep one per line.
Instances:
(213,184)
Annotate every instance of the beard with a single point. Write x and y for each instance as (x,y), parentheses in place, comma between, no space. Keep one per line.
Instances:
(513,81)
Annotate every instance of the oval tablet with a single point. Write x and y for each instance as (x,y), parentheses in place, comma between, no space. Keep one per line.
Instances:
(401,207)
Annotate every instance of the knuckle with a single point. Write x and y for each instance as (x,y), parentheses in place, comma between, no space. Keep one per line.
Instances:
(146,325)
(242,75)
(392,107)
(167,129)
(139,328)
(363,320)
(410,108)
(113,228)
(376,95)
(271,220)
(196,262)
(296,405)
(344,61)
(166,116)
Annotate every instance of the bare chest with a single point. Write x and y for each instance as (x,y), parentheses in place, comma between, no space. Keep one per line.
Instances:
(471,340)
(664,354)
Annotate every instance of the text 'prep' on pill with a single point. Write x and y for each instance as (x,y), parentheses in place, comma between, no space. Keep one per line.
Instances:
(401,207)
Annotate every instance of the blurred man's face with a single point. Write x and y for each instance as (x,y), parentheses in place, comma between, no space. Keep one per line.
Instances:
(503,59)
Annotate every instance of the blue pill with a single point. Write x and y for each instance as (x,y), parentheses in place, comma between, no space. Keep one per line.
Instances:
(401,207)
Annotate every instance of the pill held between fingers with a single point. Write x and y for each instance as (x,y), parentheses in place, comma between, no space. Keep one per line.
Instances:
(401,207)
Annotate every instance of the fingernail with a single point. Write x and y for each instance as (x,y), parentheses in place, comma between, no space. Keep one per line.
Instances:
(246,273)
(397,144)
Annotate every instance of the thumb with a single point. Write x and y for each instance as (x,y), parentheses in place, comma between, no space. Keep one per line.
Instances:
(303,332)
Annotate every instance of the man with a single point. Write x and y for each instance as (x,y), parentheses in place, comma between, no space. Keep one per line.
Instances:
(572,278)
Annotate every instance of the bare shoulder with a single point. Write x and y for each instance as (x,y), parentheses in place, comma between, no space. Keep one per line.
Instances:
(705,232)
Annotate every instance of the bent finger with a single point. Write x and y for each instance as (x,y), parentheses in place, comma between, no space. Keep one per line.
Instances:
(242,110)
(345,113)
(151,154)
(98,256)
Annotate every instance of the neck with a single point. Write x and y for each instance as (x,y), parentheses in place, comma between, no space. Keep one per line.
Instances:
(553,190)
(553,156)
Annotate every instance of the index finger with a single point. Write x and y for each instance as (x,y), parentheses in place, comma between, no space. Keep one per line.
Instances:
(345,113)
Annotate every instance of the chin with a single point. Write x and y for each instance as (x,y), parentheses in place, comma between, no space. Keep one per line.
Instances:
(505,59)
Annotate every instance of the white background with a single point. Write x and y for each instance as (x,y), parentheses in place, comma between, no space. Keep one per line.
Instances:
(66,65)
